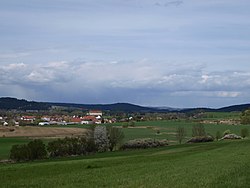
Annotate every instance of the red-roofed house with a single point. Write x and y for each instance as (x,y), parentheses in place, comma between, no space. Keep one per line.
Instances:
(95,113)
(89,120)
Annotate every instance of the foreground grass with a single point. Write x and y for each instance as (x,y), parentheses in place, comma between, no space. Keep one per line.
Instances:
(218,164)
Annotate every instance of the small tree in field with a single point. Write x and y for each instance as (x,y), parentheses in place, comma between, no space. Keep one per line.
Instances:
(218,135)
(180,134)
(198,130)
(115,136)
(244,132)
(101,138)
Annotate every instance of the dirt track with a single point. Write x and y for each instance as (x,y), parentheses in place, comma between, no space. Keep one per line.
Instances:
(40,132)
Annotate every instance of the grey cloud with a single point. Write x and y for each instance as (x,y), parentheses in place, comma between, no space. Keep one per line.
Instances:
(102,81)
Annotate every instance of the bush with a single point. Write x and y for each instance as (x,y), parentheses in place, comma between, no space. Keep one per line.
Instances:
(231,137)
(37,149)
(143,144)
(20,153)
(71,146)
(198,139)
(226,132)
(33,150)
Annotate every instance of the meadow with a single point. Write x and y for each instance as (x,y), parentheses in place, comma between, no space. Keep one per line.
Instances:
(217,164)
(147,129)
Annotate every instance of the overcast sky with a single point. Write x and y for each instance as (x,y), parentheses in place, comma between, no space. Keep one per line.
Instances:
(190,53)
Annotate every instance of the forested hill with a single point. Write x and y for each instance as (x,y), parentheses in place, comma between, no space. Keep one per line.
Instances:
(7,103)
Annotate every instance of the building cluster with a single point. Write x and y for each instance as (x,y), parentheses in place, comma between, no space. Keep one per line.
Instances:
(92,117)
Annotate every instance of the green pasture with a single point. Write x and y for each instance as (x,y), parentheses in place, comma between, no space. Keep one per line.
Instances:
(7,143)
(218,164)
(147,129)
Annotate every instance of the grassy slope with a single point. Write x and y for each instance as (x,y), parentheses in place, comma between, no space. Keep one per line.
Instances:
(7,143)
(219,164)
(167,129)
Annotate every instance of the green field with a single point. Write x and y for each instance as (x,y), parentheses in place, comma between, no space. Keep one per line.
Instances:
(145,129)
(7,143)
(218,164)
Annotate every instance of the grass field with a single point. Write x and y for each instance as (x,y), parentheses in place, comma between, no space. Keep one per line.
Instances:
(145,129)
(218,164)
(7,143)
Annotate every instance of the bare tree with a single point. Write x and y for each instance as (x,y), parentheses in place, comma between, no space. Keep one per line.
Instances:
(180,134)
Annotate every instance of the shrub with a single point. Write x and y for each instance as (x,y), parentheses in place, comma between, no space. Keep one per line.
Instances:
(231,137)
(37,149)
(244,132)
(33,150)
(143,144)
(20,153)
(198,139)
(226,132)
(71,146)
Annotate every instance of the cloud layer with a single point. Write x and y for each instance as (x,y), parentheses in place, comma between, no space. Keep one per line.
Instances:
(178,53)
(143,81)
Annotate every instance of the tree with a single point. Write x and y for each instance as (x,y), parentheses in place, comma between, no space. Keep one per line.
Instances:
(101,138)
(244,133)
(245,117)
(218,135)
(198,130)
(180,134)
(115,136)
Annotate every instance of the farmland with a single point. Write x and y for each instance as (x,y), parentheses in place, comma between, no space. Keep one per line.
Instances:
(144,129)
(218,164)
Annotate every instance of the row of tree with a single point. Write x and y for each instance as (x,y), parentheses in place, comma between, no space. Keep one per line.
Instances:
(99,139)
(198,132)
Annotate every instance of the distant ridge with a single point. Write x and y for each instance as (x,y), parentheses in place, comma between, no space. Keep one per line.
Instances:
(8,103)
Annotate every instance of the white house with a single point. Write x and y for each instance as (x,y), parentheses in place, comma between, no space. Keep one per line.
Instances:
(95,113)
(43,123)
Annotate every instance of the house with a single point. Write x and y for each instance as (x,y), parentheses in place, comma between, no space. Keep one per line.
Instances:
(43,123)
(89,120)
(75,120)
(95,113)
(45,118)
(28,118)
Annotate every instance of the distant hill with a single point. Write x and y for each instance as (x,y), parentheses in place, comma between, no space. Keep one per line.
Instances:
(8,103)
(234,108)
(123,107)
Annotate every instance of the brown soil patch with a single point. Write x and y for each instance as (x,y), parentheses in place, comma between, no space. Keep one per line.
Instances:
(41,132)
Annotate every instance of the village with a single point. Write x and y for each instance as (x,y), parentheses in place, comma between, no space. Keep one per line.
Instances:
(91,117)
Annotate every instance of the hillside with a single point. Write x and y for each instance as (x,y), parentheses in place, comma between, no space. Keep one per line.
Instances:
(219,164)
(7,103)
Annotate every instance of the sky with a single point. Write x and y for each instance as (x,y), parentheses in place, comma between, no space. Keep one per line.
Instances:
(182,53)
